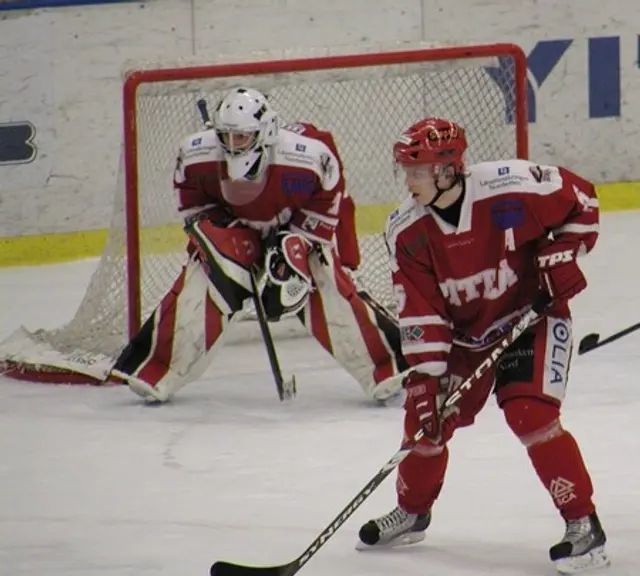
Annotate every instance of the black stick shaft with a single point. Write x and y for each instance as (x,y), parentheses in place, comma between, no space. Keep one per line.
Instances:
(268,339)
(592,341)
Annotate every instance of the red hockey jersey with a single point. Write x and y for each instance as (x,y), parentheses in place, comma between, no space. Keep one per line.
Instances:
(303,185)
(463,285)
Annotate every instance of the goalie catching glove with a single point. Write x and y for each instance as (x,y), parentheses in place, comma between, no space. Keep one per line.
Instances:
(288,278)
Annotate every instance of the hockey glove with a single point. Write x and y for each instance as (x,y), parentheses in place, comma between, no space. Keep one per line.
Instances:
(425,396)
(288,278)
(559,271)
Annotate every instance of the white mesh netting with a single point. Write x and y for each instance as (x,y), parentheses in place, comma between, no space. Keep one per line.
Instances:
(364,107)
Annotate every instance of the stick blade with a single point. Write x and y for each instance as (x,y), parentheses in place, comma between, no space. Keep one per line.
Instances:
(588,342)
(289,389)
(230,569)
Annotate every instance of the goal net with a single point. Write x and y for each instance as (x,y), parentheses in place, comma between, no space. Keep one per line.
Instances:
(365,100)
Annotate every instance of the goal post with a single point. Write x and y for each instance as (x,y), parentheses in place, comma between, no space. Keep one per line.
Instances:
(364,99)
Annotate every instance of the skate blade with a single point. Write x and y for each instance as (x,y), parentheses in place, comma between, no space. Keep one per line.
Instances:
(592,560)
(403,540)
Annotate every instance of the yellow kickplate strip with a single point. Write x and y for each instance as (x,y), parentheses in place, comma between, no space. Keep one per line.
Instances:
(64,247)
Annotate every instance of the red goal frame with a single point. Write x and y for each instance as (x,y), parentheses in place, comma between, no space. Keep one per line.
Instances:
(136,78)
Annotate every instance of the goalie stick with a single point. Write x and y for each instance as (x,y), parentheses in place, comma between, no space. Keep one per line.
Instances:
(222,568)
(592,341)
(286,388)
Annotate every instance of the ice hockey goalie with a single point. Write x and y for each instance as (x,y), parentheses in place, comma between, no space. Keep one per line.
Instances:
(262,198)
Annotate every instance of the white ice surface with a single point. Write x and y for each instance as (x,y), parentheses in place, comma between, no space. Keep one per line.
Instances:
(94,483)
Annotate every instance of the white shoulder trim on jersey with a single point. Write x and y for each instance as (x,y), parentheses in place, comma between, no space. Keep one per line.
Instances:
(400,219)
(429,320)
(200,147)
(576,229)
(491,179)
(300,151)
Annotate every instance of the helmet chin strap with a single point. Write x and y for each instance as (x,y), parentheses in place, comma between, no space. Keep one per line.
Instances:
(441,191)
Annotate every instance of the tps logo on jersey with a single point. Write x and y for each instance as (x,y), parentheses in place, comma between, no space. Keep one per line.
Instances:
(298,183)
(503,170)
(507,214)
(16,143)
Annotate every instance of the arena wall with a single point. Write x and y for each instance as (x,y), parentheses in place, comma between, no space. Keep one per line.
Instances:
(60,111)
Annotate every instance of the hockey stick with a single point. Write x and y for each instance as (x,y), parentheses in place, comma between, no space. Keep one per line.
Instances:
(286,388)
(204,113)
(592,341)
(222,568)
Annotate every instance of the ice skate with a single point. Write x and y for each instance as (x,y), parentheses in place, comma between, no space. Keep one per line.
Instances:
(397,528)
(582,547)
(141,388)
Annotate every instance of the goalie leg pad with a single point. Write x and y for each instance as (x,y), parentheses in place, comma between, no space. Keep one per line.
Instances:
(178,341)
(347,326)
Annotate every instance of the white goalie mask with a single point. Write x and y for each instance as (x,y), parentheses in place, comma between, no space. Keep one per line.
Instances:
(245,126)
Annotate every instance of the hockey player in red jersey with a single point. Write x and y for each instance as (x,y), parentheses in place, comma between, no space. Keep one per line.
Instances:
(470,251)
(259,197)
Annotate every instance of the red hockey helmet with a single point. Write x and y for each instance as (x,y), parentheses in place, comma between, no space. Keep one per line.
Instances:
(432,141)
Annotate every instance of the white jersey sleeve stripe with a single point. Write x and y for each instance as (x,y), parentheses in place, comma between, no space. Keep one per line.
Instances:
(430,320)
(577,229)
(422,347)
(431,368)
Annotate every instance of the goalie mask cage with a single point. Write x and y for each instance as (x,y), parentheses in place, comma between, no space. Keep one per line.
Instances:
(365,100)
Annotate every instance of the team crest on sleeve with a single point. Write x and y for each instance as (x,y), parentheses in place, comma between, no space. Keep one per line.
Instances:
(539,174)
(326,165)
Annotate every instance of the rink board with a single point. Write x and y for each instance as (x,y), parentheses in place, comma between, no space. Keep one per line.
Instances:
(54,248)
